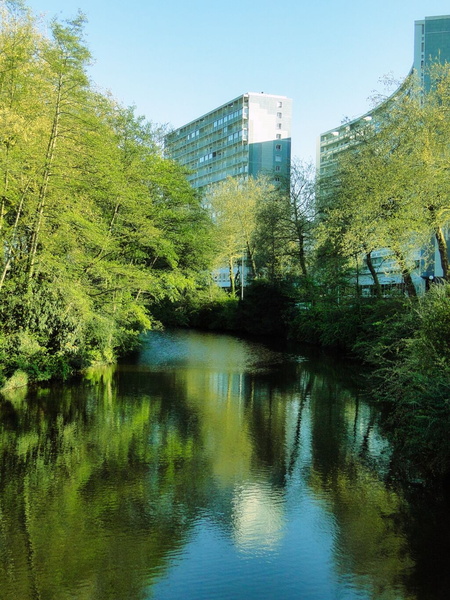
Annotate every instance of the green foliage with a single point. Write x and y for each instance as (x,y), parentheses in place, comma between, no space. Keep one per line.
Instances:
(234,205)
(284,226)
(417,385)
(389,189)
(218,315)
(267,308)
(406,345)
(95,225)
(17,380)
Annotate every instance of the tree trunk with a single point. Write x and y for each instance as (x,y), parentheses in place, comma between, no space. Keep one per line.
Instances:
(300,232)
(42,197)
(442,247)
(376,281)
(251,256)
(407,279)
(231,275)
(13,238)
(301,253)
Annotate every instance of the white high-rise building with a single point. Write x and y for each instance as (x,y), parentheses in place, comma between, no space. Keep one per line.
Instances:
(247,136)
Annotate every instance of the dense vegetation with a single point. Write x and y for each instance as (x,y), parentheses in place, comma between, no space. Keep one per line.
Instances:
(95,225)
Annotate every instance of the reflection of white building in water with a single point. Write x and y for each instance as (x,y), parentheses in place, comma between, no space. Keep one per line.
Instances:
(258,517)
(431,44)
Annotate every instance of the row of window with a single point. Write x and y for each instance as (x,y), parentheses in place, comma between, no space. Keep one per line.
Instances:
(193,134)
(231,117)
(233,136)
(227,118)
(196,134)
(237,135)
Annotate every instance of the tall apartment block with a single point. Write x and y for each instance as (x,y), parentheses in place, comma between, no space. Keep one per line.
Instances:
(247,136)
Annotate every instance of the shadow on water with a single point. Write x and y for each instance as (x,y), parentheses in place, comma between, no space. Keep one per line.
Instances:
(209,466)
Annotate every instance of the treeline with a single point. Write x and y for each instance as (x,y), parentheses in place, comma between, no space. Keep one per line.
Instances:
(95,225)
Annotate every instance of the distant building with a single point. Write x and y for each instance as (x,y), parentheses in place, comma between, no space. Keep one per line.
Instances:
(431,45)
(247,136)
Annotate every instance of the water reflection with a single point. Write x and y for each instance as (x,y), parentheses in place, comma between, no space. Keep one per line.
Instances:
(258,517)
(206,467)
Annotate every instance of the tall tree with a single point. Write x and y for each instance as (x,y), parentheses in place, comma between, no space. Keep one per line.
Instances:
(233,204)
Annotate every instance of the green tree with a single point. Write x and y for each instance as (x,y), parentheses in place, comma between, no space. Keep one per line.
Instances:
(285,225)
(369,202)
(233,204)
(389,189)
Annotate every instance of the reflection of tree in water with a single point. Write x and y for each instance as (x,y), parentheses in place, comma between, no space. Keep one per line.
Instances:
(341,459)
(346,473)
(94,492)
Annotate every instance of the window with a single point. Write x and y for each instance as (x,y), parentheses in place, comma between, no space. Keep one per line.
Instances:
(278,147)
(277,158)
(279,105)
(278,125)
(277,168)
(278,136)
(279,115)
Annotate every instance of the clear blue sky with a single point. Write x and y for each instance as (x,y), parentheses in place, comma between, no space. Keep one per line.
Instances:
(178,59)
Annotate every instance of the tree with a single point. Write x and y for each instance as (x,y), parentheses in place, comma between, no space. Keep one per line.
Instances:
(390,189)
(376,198)
(285,222)
(233,204)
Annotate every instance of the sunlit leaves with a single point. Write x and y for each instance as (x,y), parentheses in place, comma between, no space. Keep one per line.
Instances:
(95,224)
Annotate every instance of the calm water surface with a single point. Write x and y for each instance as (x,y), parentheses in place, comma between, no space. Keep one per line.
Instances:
(209,467)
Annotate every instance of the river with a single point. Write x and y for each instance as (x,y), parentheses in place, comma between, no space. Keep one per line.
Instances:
(208,467)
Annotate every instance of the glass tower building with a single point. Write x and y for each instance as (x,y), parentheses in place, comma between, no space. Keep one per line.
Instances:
(247,136)
(431,44)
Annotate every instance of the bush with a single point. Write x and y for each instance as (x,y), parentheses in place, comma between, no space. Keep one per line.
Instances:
(416,385)
(17,380)
(267,308)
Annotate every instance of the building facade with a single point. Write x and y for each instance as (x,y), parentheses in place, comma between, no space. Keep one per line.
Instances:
(431,45)
(247,136)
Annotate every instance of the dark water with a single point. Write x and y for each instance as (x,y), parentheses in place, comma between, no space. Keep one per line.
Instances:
(209,467)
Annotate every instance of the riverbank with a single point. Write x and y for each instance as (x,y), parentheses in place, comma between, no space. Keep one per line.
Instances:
(404,344)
